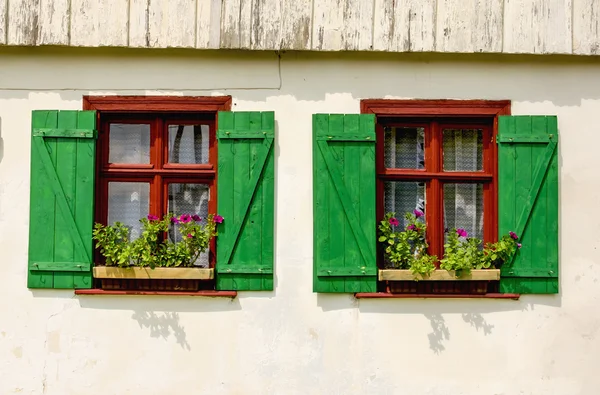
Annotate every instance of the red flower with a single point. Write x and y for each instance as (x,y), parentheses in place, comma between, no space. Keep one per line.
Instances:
(394,222)
(218,219)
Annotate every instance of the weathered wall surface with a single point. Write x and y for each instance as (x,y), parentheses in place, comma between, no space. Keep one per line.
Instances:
(469,26)
(291,341)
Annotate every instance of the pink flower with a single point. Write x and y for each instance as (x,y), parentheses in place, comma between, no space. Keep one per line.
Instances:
(152,217)
(394,222)
(174,220)
(461,232)
(185,218)
(418,213)
(189,235)
(518,245)
(513,235)
(218,219)
(196,218)
(411,227)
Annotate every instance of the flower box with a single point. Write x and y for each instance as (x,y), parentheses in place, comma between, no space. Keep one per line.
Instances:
(439,275)
(184,279)
(164,273)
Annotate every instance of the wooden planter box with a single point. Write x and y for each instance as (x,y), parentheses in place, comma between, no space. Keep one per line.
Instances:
(439,275)
(147,279)
(440,282)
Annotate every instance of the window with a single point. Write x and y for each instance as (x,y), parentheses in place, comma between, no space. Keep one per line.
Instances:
(465,163)
(444,167)
(156,163)
(125,157)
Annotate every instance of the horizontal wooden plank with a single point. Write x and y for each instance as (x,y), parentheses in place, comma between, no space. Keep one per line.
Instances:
(524,138)
(347,271)
(241,134)
(174,273)
(343,137)
(61,266)
(439,275)
(528,272)
(70,133)
(245,270)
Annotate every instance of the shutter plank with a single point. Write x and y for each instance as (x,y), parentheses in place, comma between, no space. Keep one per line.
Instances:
(84,187)
(336,214)
(367,205)
(322,207)
(352,181)
(267,204)
(241,166)
(65,163)
(225,181)
(41,200)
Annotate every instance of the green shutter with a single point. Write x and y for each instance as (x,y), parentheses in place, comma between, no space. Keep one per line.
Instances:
(62,199)
(528,201)
(245,185)
(344,203)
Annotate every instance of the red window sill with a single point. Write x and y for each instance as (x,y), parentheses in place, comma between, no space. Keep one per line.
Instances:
(211,294)
(385,295)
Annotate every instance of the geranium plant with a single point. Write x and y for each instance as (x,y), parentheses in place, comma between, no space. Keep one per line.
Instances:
(406,248)
(152,248)
(463,253)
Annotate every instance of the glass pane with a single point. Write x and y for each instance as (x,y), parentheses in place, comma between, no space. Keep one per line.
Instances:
(463,149)
(402,197)
(188,199)
(188,144)
(404,148)
(128,202)
(129,143)
(463,208)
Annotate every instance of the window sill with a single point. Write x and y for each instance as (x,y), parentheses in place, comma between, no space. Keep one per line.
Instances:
(386,295)
(210,294)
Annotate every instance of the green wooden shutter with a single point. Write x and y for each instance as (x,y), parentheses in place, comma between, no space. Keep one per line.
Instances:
(63,145)
(344,203)
(245,185)
(528,201)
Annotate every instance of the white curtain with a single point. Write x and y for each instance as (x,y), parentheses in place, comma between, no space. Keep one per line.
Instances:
(463,203)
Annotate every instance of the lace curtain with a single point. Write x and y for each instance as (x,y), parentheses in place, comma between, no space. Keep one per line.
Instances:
(462,151)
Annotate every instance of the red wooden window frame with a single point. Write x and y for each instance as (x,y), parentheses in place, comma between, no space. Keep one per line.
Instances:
(158,112)
(434,115)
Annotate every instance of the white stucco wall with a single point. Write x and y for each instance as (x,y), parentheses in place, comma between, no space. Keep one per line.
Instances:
(291,341)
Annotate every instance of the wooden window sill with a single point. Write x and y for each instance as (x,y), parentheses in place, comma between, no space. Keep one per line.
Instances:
(210,294)
(385,295)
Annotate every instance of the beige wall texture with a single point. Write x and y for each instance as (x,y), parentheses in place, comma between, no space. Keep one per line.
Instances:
(292,341)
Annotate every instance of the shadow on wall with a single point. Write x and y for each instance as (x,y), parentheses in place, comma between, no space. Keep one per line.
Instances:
(472,311)
(161,315)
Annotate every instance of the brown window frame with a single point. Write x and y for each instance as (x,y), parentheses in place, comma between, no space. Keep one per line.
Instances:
(158,111)
(433,115)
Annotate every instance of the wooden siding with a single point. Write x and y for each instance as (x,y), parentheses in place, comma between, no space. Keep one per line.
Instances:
(489,26)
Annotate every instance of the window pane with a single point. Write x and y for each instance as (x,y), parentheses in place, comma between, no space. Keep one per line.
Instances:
(188,199)
(463,208)
(188,144)
(404,148)
(402,197)
(129,143)
(128,202)
(463,149)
